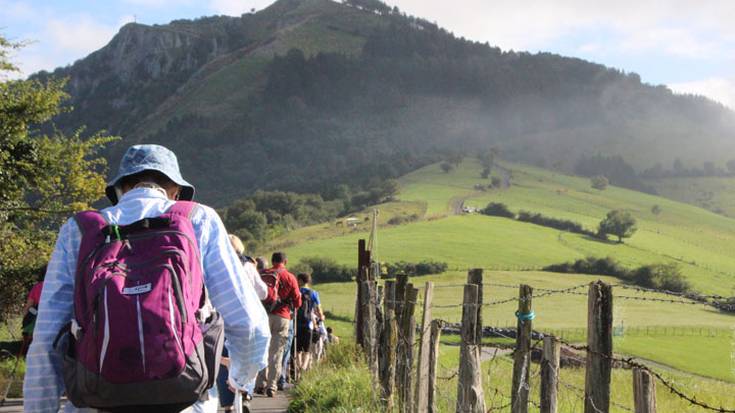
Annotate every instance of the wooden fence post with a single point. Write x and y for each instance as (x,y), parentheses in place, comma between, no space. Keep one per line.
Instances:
(474,276)
(387,353)
(599,344)
(470,396)
(550,374)
(436,332)
(369,324)
(363,262)
(644,391)
(522,353)
(422,367)
(404,364)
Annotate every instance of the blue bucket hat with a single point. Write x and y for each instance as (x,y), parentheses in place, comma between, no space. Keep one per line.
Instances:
(139,158)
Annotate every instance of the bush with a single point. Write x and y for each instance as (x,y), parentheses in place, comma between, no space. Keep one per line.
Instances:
(402,219)
(599,182)
(420,268)
(561,224)
(661,277)
(327,270)
(498,209)
(591,265)
(657,276)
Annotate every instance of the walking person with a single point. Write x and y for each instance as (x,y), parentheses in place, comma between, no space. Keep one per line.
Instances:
(30,312)
(283,296)
(225,395)
(308,318)
(101,297)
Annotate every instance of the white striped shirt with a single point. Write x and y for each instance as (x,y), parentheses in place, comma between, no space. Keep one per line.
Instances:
(246,322)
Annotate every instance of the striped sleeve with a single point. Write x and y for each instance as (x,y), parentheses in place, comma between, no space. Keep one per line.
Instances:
(246,322)
(43,384)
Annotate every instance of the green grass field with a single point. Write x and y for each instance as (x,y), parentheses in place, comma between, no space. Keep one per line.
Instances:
(697,239)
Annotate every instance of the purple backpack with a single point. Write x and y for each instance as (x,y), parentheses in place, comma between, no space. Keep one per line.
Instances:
(138,337)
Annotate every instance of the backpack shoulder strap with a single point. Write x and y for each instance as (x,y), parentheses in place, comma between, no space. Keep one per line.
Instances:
(183,209)
(90,222)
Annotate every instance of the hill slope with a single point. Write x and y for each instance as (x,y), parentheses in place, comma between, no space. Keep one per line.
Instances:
(306,93)
(696,239)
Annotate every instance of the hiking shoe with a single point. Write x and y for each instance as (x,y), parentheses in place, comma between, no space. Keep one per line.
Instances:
(270,393)
(259,390)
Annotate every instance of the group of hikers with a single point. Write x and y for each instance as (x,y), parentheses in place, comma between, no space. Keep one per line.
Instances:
(149,305)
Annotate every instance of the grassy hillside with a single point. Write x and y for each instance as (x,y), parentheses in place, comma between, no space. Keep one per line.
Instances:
(696,239)
(690,236)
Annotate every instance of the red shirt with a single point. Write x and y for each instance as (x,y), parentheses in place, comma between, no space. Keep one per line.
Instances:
(288,292)
(35,294)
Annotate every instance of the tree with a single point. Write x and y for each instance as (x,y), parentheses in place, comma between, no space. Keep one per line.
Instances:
(619,223)
(656,209)
(447,167)
(43,179)
(599,182)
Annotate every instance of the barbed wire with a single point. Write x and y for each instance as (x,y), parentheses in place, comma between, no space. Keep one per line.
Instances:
(632,363)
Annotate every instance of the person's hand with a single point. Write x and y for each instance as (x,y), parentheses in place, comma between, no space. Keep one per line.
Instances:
(225,361)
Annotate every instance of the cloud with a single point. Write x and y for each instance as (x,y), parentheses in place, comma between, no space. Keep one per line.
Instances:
(62,39)
(678,27)
(78,35)
(236,7)
(716,88)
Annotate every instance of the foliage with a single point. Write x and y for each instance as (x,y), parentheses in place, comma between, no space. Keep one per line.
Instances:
(414,269)
(341,382)
(447,167)
(656,209)
(591,265)
(43,178)
(658,276)
(661,276)
(498,209)
(325,269)
(619,223)
(403,219)
(599,182)
(561,224)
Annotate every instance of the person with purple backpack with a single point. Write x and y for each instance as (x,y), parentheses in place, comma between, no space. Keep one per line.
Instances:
(125,322)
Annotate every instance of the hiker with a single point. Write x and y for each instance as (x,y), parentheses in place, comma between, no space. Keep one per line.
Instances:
(288,354)
(101,308)
(283,296)
(261,264)
(30,311)
(225,395)
(251,271)
(308,318)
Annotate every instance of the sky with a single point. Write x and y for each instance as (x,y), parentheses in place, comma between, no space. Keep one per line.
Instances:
(686,45)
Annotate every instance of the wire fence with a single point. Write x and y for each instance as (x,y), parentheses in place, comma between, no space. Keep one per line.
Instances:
(572,397)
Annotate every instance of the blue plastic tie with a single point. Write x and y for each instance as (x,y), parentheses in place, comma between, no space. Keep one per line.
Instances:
(525,316)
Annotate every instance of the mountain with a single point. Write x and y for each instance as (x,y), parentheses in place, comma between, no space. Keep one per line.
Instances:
(307,94)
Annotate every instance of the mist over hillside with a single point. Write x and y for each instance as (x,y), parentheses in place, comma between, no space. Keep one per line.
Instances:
(307,94)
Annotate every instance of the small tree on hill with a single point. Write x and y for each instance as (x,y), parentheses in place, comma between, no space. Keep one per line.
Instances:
(447,167)
(656,210)
(619,223)
(599,182)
